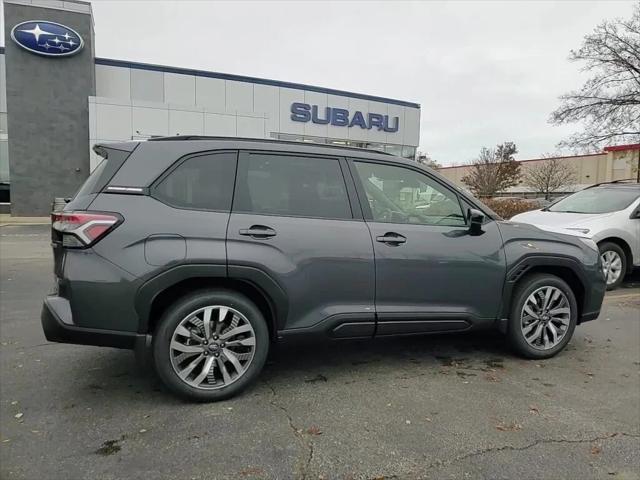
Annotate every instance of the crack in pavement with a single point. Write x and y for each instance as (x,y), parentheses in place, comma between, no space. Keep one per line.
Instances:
(307,445)
(298,433)
(542,441)
(485,451)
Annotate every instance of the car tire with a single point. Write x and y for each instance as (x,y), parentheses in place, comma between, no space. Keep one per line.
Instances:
(528,338)
(181,332)
(610,250)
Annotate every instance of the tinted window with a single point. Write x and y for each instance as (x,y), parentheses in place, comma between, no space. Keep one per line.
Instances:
(401,195)
(106,169)
(292,186)
(204,182)
(90,183)
(597,200)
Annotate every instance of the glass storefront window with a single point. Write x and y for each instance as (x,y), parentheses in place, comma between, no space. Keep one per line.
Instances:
(394,150)
(4,161)
(409,152)
(406,151)
(3,123)
(378,147)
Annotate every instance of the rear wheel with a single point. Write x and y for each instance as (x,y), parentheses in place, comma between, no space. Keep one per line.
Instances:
(614,264)
(543,316)
(210,345)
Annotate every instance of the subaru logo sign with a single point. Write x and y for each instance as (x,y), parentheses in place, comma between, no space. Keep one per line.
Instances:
(340,117)
(47,38)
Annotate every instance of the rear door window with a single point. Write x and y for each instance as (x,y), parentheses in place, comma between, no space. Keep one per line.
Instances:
(291,185)
(202,182)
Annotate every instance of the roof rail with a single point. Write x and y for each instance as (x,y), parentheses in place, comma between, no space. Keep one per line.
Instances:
(632,180)
(263,140)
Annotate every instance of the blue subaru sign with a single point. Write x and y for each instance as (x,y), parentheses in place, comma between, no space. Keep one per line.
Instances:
(47,38)
(339,117)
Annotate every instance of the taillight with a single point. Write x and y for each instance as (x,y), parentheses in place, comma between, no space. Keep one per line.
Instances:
(82,229)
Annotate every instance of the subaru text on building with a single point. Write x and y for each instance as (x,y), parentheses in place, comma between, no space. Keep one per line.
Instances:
(208,250)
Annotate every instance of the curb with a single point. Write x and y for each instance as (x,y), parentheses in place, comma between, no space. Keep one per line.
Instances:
(8,220)
(635,294)
(20,224)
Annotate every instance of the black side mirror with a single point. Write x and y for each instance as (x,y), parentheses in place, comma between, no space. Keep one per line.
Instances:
(476,219)
(635,213)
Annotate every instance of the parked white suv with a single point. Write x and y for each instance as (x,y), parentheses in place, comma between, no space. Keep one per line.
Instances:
(609,214)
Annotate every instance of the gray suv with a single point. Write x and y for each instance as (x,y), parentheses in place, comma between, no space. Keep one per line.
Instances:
(205,251)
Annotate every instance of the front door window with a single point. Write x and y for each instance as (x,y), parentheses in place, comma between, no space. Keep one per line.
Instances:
(401,195)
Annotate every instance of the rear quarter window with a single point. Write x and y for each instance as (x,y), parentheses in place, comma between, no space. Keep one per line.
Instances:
(202,182)
(106,169)
(89,186)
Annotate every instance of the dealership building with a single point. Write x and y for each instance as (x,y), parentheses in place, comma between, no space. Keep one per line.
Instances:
(57,99)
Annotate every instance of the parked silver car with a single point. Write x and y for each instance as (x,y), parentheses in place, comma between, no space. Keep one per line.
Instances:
(609,214)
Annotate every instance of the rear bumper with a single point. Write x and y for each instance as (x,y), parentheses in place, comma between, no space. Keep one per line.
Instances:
(58,326)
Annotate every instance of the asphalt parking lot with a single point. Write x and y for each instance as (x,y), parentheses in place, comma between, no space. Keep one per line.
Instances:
(422,407)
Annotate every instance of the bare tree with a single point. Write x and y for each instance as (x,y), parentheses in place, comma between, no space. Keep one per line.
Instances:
(608,104)
(494,170)
(634,163)
(549,175)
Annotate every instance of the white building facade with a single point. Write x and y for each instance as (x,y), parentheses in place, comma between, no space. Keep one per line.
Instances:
(138,101)
(57,99)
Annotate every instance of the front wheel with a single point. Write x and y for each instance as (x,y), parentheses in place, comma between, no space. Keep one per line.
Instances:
(544,314)
(614,264)
(210,345)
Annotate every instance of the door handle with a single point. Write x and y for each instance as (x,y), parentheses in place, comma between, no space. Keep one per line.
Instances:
(392,238)
(258,231)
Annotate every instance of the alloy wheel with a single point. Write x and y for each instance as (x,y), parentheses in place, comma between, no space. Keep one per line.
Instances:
(212,347)
(611,266)
(545,317)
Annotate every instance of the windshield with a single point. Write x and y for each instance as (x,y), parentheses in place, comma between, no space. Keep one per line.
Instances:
(596,200)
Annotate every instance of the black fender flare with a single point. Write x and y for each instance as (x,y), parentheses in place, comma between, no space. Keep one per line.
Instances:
(536,260)
(262,281)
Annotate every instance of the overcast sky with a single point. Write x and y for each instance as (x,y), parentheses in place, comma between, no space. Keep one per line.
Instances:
(483,72)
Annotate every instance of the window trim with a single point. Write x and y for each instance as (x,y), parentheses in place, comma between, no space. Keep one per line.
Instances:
(185,158)
(364,202)
(243,156)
